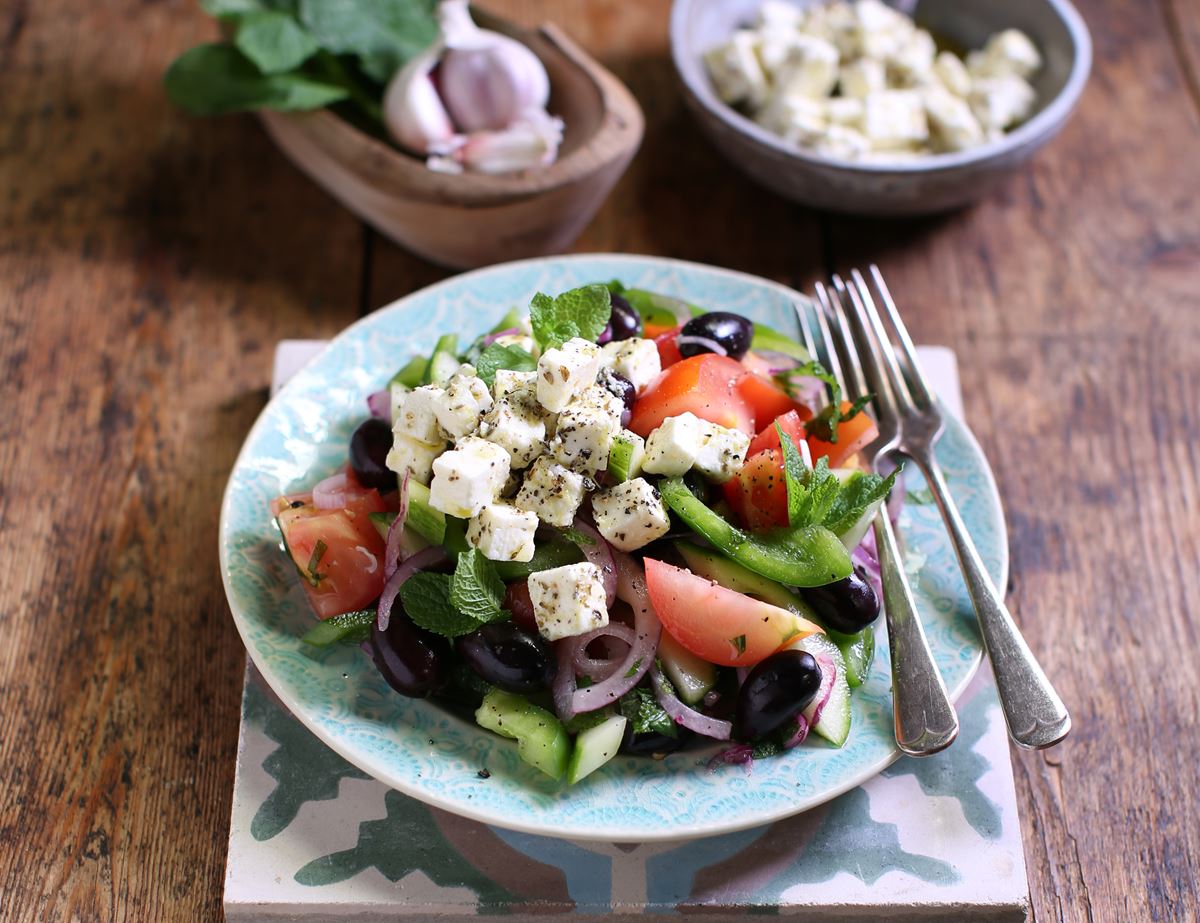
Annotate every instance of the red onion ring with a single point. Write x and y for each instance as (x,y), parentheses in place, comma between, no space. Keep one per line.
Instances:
(600,554)
(631,587)
(687,717)
(330,494)
(425,558)
(596,668)
(493,337)
(380,404)
(867,557)
(393,554)
(707,344)
(777,362)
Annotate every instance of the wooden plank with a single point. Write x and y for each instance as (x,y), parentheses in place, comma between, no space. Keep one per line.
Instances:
(1071,300)
(150,262)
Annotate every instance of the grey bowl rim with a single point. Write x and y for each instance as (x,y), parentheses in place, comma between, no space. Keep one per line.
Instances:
(1037,130)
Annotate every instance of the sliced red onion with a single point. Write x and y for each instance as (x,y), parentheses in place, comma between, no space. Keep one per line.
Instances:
(809,718)
(737,755)
(372,564)
(596,668)
(425,558)
(564,679)
(380,404)
(706,344)
(601,554)
(330,494)
(493,337)
(807,390)
(393,554)
(631,587)
(687,717)
(866,557)
(777,363)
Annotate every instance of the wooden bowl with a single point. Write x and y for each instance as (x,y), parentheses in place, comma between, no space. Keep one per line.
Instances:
(474,219)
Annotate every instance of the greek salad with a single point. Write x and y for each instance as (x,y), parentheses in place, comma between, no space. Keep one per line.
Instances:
(616,523)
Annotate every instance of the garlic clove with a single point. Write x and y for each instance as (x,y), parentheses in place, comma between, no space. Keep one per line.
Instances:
(487,80)
(412,109)
(532,140)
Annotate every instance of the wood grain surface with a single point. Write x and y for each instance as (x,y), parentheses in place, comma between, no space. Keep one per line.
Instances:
(150,261)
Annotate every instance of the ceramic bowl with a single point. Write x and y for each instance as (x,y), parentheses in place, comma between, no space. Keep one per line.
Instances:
(931,184)
(472,220)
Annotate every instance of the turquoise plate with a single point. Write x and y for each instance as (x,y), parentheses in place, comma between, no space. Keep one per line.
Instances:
(419,748)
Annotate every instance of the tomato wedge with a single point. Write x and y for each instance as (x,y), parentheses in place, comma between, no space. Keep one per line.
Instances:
(852,435)
(668,346)
(768,400)
(768,437)
(763,502)
(338,552)
(705,385)
(717,624)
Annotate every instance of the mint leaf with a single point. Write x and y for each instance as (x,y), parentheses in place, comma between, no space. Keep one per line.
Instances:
(793,475)
(579,538)
(382,34)
(855,496)
(579,312)
(644,713)
(587,720)
(496,357)
(314,561)
(475,589)
(214,79)
(426,599)
(824,425)
(273,41)
(739,645)
(822,490)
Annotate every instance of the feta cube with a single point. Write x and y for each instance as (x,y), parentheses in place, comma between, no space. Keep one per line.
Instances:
(844,142)
(631,514)
(416,415)
(502,532)
(564,371)
(1010,53)
(799,119)
(553,492)
(811,68)
(735,70)
(879,30)
(1001,102)
(895,119)
(912,63)
(468,477)
(397,393)
(685,442)
(568,601)
(636,359)
(508,381)
(836,23)
(515,423)
(773,50)
(863,77)
(778,16)
(466,399)
(953,125)
(952,73)
(844,110)
(519,340)
(585,430)
(414,456)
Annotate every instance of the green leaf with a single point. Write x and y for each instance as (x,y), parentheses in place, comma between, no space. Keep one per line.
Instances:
(579,312)
(579,538)
(855,496)
(382,34)
(645,715)
(496,357)
(273,41)
(215,79)
(587,720)
(739,644)
(475,588)
(426,599)
(314,561)
(822,489)
(793,475)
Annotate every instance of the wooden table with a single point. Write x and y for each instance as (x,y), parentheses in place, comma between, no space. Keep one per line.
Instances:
(150,261)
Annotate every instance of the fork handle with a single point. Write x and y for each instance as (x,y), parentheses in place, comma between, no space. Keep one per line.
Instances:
(1035,714)
(925,720)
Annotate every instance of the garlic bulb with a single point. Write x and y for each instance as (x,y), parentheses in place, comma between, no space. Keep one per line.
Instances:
(487,79)
(475,100)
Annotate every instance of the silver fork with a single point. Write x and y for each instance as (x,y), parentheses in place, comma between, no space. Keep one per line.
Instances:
(1035,714)
(924,720)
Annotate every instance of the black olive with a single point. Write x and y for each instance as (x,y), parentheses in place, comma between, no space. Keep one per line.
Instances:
(369,447)
(415,662)
(619,386)
(774,692)
(624,323)
(508,656)
(716,332)
(651,743)
(848,605)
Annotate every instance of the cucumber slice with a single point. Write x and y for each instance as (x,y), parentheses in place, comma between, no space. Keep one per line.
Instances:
(444,361)
(691,676)
(595,747)
(423,518)
(412,375)
(626,455)
(859,652)
(547,555)
(834,725)
(542,741)
(349,628)
(854,535)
